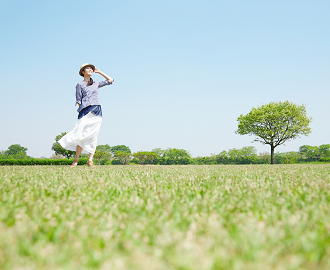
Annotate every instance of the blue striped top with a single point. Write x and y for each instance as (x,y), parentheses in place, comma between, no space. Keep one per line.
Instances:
(88,95)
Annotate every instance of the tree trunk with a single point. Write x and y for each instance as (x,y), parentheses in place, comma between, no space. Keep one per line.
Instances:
(272,154)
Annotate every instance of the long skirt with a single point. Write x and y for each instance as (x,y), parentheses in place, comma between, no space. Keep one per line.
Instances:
(85,132)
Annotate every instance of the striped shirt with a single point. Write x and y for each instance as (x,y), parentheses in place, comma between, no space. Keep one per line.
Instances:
(88,95)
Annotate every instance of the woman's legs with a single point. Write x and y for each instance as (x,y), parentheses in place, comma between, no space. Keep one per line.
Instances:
(78,152)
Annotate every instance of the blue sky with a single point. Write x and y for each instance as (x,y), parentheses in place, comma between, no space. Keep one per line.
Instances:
(184,70)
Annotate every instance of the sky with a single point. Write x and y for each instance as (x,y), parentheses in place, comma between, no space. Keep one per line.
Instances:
(184,70)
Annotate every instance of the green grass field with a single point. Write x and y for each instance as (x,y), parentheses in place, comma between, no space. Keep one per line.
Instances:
(165,217)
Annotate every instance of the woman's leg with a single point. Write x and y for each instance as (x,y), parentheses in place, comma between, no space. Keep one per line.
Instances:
(91,157)
(78,152)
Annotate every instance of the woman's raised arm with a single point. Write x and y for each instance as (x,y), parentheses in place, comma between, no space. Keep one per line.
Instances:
(104,75)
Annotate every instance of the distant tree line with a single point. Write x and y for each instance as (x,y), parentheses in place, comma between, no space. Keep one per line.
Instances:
(272,124)
(175,156)
(122,155)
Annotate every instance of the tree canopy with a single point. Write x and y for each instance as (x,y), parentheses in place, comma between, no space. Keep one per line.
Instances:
(245,155)
(158,151)
(59,150)
(121,148)
(275,123)
(98,155)
(145,157)
(176,153)
(315,152)
(104,148)
(123,157)
(15,151)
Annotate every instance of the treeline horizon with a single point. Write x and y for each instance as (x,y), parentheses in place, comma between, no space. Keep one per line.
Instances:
(272,124)
(122,155)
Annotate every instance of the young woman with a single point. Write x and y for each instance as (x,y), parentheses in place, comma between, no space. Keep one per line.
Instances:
(83,138)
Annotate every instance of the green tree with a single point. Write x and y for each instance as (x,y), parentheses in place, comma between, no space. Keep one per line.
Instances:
(233,154)
(310,152)
(123,157)
(151,157)
(158,151)
(264,157)
(275,123)
(121,148)
(3,155)
(313,153)
(107,155)
(174,153)
(98,155)
(248,151)
(247,154)
(145,157)
(287,157)
(324,150)
(59,150)
(16,151)
(223,158)
(104,148)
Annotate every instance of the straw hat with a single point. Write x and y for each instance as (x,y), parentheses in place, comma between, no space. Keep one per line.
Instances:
(83,66)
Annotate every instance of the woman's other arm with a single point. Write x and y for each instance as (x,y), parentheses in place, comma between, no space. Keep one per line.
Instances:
(78,95)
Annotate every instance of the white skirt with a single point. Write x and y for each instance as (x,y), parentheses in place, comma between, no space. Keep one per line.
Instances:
(84,134)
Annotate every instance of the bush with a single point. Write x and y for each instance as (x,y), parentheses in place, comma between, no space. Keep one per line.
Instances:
(325,159)
(123,157)
(107,162)
(115,162)
(145,157)
(37,161)
(171,161)
(134,161)
(212,160)
(287,157)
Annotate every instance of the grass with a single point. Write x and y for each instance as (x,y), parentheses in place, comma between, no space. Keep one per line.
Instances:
(165,217)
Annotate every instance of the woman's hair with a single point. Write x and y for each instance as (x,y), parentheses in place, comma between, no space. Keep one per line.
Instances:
(90,81)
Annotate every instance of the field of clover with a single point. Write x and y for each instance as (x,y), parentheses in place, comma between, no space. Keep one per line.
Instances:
(165,217)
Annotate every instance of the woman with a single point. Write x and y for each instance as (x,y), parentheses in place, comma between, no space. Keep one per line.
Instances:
(83,138)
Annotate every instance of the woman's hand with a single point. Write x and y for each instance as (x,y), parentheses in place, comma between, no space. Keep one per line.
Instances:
(96,70)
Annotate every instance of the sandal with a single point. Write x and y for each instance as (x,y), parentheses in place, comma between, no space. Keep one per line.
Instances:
(74,164)
(90,164)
